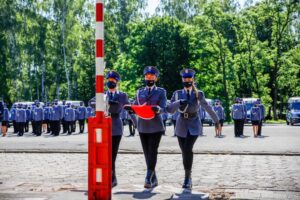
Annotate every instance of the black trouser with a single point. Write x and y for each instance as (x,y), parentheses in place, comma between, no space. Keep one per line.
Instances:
(55,127)
(33,124)
(81,125)
(74,126)
(69,126)
(15,126)
(48,126)
(131,127)
(115,148)
(186,146)
(165,123)
(26,126)
(259,127)
(38,127)
(174,124)
(20,126)
(64,125)
(150,143)
(238,127)
(202,122)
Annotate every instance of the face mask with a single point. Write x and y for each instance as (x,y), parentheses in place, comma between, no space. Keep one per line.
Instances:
(149,83)
(187,84)
(111,84)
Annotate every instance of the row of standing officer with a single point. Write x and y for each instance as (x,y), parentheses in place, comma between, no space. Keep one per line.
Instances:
(50,117)
(239,116)
(186,102)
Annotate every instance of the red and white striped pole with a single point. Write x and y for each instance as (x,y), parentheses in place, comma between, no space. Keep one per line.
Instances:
(100,139)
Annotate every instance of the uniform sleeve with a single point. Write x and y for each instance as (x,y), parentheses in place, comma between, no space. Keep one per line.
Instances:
(174,104)
(163,101)
(223,113)
(208,108)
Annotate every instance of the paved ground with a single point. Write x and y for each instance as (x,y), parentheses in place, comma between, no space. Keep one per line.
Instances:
(279,139)
(54,176)
(265,168)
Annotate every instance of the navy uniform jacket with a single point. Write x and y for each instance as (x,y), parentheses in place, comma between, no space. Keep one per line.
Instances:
(47,113)
(82,113)
(5,115)
(90,112)
(238,111)
(69,114)
(28,114)
(13,114)
(219,110)
(191,125)
(21,115)
(56,113)
(156,97)
(255,114)
(115,111)
(38,114)
(262,111)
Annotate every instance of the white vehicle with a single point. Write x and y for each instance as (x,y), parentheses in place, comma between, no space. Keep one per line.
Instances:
(207,119)
(249,102)
(75,103)
(293,113)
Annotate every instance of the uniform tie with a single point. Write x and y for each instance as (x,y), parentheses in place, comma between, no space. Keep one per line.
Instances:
(149,91)
(110,95)
(188,95)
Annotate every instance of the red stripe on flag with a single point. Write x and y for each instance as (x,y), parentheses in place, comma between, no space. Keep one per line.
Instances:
(99,84)
(99,48)
(99,12)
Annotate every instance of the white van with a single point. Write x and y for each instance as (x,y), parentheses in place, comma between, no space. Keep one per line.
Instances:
(293,113)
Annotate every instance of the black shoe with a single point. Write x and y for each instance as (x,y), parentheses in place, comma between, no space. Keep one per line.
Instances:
(154,181)
(114,182)
(187,184)
(148,179)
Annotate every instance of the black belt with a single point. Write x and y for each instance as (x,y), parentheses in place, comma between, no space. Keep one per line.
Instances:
(189,115)
(115,115)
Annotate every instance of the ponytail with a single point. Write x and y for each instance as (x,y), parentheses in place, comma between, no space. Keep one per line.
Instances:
(196,92)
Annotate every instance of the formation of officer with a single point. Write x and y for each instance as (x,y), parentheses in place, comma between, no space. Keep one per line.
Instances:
(187,102)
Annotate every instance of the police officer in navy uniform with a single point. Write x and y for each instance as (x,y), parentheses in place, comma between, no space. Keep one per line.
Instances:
(63,122)
(46,117)
(262,112)
(69,117)
(13,111)
(29,119)
(219,110)
(82,115)
(20,119)
(152,130)
(56,116)
(188,126)
(38,117)
(238,114)
(116,101)
(5,119)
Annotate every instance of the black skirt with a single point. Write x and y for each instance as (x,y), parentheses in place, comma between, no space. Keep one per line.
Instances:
(255,123)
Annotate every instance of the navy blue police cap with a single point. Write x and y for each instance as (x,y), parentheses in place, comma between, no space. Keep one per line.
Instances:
(114,75)
(187,73)
(151,70)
